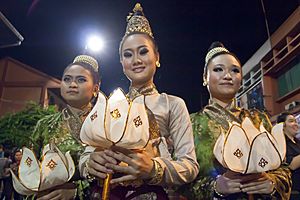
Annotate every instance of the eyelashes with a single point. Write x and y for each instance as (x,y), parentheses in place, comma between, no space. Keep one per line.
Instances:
(69,80)
(142,52)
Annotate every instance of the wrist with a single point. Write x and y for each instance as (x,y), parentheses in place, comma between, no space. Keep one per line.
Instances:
(86,174)
(215,189)
(156,173)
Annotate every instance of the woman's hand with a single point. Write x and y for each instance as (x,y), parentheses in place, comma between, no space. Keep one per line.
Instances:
(96,164)
(66,191)
(140,164)
(263,185)
(226,186)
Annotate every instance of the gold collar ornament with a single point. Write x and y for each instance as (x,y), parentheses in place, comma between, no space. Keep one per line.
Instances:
(115,121)
(55,169)
(246,149)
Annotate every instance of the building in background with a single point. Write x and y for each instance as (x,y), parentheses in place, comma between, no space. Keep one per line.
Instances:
(20,83)
(271,79)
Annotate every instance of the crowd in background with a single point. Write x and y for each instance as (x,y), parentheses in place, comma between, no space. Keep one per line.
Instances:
(9,160)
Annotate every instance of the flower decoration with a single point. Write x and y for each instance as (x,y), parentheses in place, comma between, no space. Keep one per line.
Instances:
(119,121)
(246,149)
(34,176)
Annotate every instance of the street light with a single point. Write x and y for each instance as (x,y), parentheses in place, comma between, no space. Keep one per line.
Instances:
(94,44)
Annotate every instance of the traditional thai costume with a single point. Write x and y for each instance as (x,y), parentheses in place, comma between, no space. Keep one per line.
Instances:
(207,126)
(61,129)
(170,135)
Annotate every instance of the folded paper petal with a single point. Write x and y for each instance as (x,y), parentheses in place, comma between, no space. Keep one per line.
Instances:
(19,187)
(264,155)
(29,170)
(53,170)
(236,149)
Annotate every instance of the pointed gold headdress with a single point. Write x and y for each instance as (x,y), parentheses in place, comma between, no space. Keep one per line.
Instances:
(137,22)
(88,60)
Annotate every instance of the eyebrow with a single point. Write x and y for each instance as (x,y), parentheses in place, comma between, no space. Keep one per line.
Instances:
(224,65)
(79,76)
(129,49)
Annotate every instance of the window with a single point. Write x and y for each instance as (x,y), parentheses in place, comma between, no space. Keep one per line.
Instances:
(289,81)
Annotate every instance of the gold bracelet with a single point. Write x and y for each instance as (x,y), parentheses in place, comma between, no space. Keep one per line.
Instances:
(158,173)
(274,190)
(215,190)
(88,176)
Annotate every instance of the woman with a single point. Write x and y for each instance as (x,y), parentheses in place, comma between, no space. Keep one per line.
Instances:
(291,128)
(223,76)
(148,171)
(79,87)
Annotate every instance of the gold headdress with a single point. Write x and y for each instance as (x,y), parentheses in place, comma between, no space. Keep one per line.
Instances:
(213,52)
(88,60)
(137,22)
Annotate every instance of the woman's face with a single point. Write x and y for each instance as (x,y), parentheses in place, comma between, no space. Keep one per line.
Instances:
(291,126)
(224,75)
(138,58)
(18,156)
(77,86)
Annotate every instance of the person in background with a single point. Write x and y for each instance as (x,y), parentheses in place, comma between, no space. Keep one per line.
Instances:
(291,128)
(5,177)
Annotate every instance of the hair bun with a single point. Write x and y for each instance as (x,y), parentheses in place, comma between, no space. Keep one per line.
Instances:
(216,44)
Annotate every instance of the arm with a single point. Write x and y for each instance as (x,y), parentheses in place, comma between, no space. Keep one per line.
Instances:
(295,163)
(183,168)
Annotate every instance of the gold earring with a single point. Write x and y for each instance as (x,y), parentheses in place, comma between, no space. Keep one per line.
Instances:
(204,83)
(95,94)
(157,64)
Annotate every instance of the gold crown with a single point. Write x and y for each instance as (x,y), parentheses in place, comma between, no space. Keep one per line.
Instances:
(88,60)
(214,51)
(137,22)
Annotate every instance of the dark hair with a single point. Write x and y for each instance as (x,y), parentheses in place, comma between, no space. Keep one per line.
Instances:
(133,33)
(282,117)
(94,73)
(214,45)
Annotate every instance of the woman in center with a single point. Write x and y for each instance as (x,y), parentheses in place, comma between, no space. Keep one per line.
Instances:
(169,159)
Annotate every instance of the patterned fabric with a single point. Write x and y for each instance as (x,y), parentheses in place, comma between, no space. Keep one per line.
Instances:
(63,127)
(207,126)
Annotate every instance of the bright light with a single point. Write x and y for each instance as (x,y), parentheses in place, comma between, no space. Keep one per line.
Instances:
(94,43)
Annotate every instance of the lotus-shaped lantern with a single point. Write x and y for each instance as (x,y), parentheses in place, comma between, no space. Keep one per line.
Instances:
(55,169)
(246,149)
(117,121)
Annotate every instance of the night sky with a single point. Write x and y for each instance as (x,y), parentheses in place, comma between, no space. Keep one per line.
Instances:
(55,32)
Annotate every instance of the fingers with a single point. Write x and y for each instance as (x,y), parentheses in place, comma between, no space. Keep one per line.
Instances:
(228,186)
(122,169)
(121,157)
(123,179)
(102,158)
(96,164)
(258,187)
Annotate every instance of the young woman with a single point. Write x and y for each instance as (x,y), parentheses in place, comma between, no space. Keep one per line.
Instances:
(291,128)
(169,159)
(79,88)
(223,76)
